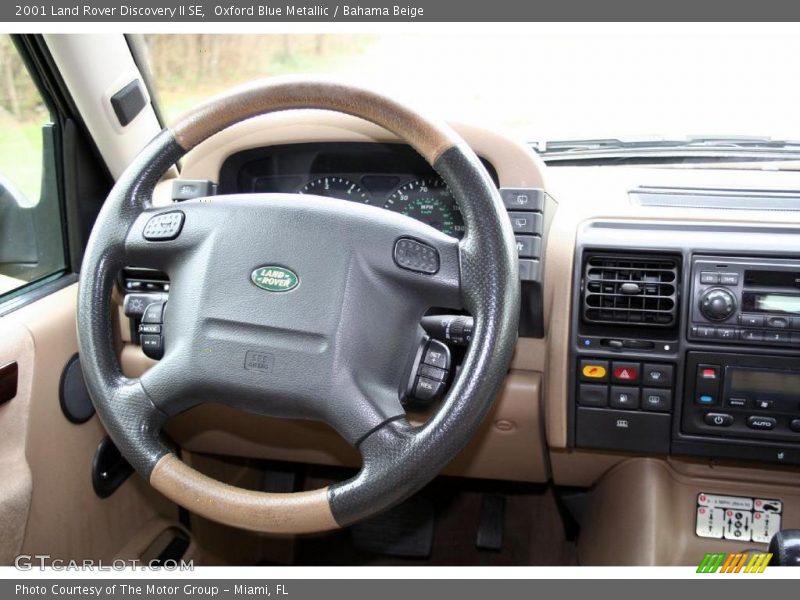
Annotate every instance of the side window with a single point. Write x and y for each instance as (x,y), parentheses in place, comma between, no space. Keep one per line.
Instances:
(31,236)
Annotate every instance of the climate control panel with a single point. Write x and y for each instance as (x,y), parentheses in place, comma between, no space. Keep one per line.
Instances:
(744,397)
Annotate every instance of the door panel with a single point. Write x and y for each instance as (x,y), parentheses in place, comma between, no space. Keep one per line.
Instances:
(15,493)
(45,460)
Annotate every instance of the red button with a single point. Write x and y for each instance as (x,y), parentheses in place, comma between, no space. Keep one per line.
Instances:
(709,373)
(626,373)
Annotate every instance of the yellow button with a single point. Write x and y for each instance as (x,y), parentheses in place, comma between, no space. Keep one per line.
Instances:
(594,371)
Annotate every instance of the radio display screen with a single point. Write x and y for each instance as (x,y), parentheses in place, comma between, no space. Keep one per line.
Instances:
(772,303)
(784,383)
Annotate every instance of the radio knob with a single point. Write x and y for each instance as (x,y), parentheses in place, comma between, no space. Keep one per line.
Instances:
(717,304)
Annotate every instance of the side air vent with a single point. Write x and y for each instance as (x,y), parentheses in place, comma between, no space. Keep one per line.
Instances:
(630,290)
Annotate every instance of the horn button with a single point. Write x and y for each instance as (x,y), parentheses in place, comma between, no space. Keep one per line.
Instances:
(300,307)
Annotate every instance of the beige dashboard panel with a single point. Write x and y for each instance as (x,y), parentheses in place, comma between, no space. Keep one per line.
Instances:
(557,300)
(583,468)
(583,194)
(643,512)
(510,444)
(515,163)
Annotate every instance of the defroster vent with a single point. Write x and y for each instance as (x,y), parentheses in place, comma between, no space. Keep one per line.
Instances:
(630,290)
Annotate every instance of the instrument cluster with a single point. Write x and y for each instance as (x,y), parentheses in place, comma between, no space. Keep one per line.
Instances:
(392,176)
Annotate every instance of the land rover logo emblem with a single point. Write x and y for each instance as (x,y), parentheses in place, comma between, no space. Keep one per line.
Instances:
(274,279)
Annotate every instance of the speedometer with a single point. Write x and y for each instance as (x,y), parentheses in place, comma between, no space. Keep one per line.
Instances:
(429,200)
(335,187)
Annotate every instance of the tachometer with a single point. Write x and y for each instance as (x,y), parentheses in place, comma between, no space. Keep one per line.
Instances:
(429,200)
(336,187)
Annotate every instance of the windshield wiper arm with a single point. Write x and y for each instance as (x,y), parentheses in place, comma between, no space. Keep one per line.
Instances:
(596,144)
(740,141)
(719,143)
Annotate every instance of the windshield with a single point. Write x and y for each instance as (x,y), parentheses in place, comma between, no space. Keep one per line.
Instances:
(545,87)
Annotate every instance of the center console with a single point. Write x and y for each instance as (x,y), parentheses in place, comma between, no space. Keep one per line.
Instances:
(686,341)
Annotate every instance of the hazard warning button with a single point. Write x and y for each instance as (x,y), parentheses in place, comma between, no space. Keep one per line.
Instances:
(625,372)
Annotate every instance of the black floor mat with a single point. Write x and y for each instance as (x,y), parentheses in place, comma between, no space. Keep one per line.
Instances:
(406,530)
(534,531)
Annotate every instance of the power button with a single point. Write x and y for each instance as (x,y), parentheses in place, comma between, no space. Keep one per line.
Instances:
(718,419)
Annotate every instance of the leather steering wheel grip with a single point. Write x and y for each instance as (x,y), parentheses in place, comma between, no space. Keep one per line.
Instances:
(398,459)
(300,512)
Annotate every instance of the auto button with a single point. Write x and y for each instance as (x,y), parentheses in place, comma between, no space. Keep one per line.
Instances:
(761,423)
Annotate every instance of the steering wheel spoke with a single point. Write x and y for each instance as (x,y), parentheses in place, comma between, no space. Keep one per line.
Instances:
(135,426)
(167,385)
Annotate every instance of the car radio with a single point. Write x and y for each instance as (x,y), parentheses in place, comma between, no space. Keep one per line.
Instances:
(745,301)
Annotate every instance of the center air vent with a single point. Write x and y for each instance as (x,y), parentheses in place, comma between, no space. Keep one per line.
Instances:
(630,290)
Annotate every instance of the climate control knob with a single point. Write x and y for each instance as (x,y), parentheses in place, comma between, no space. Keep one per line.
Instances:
(717,304)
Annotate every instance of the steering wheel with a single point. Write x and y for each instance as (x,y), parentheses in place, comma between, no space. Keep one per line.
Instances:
(325,332)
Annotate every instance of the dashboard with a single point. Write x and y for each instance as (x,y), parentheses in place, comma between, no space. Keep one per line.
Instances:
(623,289)
(630,345)
(391,176)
